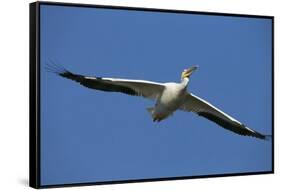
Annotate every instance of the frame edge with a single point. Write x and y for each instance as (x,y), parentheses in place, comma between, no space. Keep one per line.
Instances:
(34,96)
(34,171)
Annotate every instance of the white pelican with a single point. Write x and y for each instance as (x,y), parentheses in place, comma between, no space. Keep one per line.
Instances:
(169,97)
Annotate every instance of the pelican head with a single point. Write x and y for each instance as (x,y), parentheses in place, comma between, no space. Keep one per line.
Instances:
(187,72)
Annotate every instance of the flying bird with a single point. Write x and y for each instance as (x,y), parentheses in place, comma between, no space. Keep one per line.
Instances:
(168,97)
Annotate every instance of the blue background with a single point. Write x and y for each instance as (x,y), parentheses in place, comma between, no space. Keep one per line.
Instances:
(89,136)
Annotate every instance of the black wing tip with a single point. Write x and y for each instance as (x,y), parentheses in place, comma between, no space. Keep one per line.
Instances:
(267,137)
(257,134)
(58,69)
(262,137)
(55,68)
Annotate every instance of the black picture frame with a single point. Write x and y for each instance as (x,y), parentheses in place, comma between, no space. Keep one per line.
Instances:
(34,92)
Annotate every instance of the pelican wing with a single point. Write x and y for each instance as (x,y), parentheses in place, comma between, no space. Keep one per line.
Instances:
(142,88)
(207,110)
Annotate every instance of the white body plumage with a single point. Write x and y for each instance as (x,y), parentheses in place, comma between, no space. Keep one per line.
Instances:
(171,99)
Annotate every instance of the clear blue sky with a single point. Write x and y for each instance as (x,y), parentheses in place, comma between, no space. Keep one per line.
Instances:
(89,136)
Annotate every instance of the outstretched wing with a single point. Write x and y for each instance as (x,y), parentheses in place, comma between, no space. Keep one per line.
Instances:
(142,88)
(207,110)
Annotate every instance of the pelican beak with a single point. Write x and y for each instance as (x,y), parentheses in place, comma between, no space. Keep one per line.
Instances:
(189,71)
